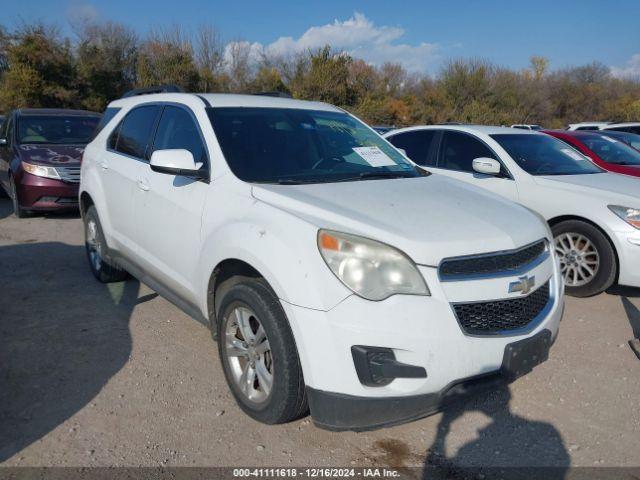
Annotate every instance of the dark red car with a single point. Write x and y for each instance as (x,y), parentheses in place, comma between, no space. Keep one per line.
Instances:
(40,154)
(605,151)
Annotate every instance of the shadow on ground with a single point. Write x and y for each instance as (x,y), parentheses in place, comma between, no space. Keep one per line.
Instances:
(63,335)
(509,443)
(6,208)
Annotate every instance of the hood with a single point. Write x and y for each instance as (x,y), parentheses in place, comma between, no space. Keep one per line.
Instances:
(611,187)
(51,155)
(429,218)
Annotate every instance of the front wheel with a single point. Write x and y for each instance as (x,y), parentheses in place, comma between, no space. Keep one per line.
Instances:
(18,211)
(259,355)
(96,248)
(587,259)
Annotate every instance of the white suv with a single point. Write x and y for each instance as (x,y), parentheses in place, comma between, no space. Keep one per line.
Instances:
(594,215)
(335,274)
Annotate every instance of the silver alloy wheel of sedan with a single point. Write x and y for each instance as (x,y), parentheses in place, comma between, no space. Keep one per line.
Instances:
(94,246)
(579,258)
(249,354)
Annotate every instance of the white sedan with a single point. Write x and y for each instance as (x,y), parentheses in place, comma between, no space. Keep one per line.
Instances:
(594,215)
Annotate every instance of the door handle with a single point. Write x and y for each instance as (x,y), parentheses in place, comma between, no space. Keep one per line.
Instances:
(143,186)
(104,166)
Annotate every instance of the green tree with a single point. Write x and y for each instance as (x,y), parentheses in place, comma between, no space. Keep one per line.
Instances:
(167,58)
(40,71)
(106,63)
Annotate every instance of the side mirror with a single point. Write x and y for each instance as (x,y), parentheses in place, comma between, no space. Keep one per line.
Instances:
(176,162)
(402,151)
(3,142)
(486,166)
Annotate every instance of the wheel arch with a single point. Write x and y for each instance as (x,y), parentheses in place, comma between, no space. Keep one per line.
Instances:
(563,218)
(85,202)
(226,270)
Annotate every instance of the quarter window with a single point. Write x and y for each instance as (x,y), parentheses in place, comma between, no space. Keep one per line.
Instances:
(417,144)
(134,133)
(458,151)
(178,130)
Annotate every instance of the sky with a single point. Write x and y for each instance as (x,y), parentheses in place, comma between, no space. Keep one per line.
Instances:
(421,35)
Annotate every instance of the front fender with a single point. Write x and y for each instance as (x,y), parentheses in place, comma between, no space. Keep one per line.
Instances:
(282,248)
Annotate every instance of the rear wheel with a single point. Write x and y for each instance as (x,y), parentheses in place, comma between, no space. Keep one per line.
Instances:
(587,259)
(18,211)
(259,355)
(97,250)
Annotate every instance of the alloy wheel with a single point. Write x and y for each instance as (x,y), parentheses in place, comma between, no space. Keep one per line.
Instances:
(248,354)
(94,246)
(579,258)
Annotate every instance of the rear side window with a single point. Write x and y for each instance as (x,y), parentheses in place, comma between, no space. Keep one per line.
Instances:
(417,144)
(177,129)
(134,133)
(108,114)
(458,151)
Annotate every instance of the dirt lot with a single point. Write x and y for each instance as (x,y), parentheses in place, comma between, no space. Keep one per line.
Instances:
(114,375)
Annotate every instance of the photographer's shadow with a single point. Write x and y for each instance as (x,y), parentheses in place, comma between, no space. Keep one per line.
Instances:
(63,336)
(510,445)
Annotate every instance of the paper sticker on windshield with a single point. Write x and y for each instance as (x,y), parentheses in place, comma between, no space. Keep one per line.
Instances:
(374,156)
(573,154)
(609,139)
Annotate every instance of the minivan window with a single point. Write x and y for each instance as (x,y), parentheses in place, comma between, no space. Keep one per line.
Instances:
(56,129)
(293,145)
(542,154)
(458,150)
(417,144)
(135,131)
(108,114)
(177,129)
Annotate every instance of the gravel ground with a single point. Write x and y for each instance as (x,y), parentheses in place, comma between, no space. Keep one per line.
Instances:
(96,375)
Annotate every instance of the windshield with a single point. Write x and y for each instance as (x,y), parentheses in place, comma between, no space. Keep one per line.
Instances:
(611,150)
(286,145)
(544,155)
(56,129)
(628,138)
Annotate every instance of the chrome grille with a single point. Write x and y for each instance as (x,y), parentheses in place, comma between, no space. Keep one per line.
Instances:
(69,174)
(504,263)
(502,316)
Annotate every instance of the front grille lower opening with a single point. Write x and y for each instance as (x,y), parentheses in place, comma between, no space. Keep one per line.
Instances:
(487,318)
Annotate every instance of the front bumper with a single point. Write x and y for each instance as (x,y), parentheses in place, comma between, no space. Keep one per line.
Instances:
(628,248)
(421,331)
(46,194)
(338,412)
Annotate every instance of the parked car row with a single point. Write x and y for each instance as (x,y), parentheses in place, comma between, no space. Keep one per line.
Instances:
(368,279)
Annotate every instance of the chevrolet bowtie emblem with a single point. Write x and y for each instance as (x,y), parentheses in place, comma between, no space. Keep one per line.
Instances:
(524,285)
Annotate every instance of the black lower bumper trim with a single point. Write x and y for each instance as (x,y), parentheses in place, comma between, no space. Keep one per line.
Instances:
(338,412)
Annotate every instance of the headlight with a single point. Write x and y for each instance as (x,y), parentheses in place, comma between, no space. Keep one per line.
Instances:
(40,171)
(629,215)
(371,269)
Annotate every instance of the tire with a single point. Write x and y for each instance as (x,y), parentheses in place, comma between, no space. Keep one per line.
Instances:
(18,211)
(277,394)
(98,252)
(587,258)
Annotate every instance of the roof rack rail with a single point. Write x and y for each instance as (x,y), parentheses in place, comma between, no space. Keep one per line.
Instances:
(154,89)
(274,94)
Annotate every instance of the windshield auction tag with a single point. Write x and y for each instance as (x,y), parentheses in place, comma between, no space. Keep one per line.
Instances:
(573,154)
(374,156)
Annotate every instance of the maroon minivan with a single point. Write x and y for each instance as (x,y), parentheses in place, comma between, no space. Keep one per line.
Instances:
(40,154)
